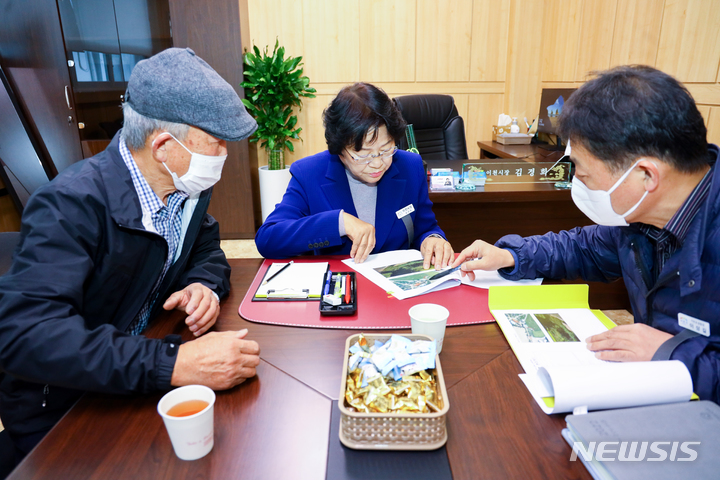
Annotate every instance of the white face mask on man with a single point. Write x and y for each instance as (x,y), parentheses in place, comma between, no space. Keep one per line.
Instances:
(596,204)
(204,171)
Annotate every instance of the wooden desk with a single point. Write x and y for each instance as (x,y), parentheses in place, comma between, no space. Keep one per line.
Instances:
(532,152)
(276,425)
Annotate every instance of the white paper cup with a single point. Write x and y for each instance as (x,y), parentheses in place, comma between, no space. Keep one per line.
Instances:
(192,436)
(429,319)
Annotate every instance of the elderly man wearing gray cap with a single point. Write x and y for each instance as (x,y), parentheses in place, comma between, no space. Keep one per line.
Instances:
(114,240)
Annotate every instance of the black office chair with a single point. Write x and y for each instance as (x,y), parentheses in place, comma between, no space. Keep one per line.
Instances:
(439,130)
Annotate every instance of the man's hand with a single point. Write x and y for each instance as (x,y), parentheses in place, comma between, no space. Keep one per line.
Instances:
(436,251)
(219,360)
(199,303)
(362,235)
(627,343)
(489,257)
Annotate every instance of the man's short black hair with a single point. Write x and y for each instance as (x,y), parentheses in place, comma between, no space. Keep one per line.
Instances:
(634,111)
(357,110)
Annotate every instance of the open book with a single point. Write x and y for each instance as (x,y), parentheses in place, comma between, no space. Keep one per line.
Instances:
(401,274)
(547,325)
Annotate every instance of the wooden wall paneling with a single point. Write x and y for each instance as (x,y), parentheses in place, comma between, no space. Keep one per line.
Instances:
(637,31)
(596,37)
(313,133)
(524,70)
(387,40)
(410,88)
(218,42)
(443,40)
(276,19)
(561,37)
(331,38)
(689,46)
(706,94)
(489,49)
(483,111)
(713,126)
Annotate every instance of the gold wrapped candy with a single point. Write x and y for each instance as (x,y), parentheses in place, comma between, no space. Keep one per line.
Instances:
(416,393)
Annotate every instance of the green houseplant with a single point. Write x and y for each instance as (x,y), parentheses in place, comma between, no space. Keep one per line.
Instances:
(273,86)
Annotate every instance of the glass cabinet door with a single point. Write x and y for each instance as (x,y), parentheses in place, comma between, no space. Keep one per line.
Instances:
(104,40)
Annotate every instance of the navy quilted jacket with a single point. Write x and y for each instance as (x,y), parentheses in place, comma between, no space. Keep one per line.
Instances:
(689,283)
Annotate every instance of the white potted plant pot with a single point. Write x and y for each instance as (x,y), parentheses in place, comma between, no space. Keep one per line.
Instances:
(273,184)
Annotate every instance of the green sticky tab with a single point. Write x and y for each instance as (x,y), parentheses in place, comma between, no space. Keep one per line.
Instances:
(549,401)
(538,297)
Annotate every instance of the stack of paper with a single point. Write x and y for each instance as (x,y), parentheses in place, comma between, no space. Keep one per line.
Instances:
(547,327)
(401,274)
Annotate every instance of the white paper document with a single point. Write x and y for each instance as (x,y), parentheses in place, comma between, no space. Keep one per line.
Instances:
(562,374)
(299,280)
(401,273)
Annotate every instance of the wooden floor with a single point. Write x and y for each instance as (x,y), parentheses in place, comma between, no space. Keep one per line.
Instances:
(240,249)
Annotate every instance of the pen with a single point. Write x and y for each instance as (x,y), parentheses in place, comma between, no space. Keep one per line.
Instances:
(327,283)
(445,272)
(342,286)
(348,289)
(278,272)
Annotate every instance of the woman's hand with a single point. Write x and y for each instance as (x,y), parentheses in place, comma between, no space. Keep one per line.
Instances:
(362,235)
(436,251)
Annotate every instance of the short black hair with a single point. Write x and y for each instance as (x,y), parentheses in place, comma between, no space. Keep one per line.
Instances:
(633,111)
(358,109)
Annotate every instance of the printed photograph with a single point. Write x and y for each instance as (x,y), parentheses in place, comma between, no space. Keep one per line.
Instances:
(408,275)
(556,327)
(398,269)
(526,328)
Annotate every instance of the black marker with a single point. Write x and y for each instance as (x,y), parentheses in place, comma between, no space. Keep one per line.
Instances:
(278,272)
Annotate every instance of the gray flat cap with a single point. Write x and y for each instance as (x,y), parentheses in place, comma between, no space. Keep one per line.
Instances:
(178,86)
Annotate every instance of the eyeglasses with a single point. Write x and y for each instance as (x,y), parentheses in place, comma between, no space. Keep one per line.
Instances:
(366,159)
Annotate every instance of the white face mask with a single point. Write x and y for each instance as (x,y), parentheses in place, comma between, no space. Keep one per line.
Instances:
(203,173)
(596,204)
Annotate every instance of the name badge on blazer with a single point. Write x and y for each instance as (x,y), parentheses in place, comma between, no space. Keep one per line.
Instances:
(695,324)
(405,211)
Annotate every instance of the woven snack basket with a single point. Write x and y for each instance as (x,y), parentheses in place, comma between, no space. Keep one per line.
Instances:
(393,431)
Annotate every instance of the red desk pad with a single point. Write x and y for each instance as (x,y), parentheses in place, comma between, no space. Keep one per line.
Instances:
(376,308)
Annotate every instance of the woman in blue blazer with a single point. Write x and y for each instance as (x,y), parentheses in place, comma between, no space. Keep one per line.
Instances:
(360,196)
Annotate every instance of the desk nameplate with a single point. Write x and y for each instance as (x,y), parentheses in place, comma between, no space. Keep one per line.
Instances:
(519,172)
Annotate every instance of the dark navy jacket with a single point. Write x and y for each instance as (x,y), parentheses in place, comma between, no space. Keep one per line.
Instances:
(689,282)
(82,271)
(306,221)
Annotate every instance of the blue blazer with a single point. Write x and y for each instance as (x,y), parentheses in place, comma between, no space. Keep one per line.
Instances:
(307,219)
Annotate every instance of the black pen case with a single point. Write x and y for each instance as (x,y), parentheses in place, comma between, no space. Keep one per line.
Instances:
(343,308)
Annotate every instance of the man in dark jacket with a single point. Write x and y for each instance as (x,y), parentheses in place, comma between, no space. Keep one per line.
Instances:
(646,175)
(112,241)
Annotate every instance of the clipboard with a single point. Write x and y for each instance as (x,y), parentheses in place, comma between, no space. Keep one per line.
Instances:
(299,282)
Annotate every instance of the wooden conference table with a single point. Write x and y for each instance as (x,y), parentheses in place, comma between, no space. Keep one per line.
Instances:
(276,425)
